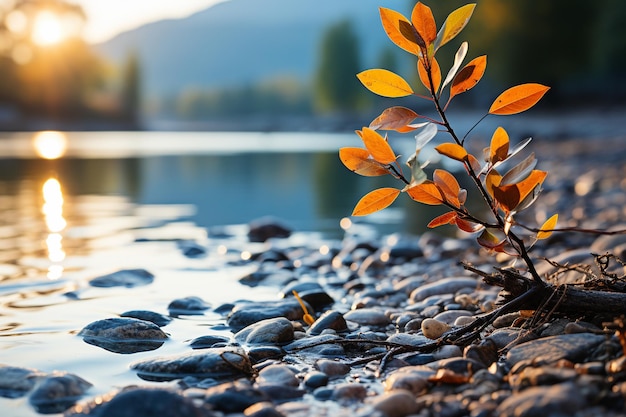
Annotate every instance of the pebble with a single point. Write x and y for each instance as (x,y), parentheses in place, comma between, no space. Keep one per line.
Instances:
(433,329)
(124,335)
(249,312)
(274,331)
(16,382)
(188,306)
(397,403)
(266,228)
(557,400)
(234,397)
(58,392)
(553,348)
(330,319)
(204,342)
(443,286)
(156,318)
(332,368)
(278,375)
(124,278)
(368,317)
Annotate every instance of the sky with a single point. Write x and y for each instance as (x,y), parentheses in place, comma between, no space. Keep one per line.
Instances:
(107,18)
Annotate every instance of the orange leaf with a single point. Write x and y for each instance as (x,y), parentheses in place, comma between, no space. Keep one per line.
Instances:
(467,226)
(427,193)
(385,83)
(453,151)
(378,147)
(394,118)
(448,185)
(499,149)
(424,22)
(446,218)
(435,71)
(391,21)
(359,161)
(454,24)
(490,241)
(469,76)
(474,163)
(509,196)
(518,99)
(492,180)
(548,225)
(375,200)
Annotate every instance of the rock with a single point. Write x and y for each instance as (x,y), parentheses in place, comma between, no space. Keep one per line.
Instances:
(368,317)
(188,306)
(558,400)
(15,382)
(260,353)
(265,228)
(397,403)
(433,329)
(156,318)
(141,402)
(262,409)
(191,249)
(553,348)
(234,397)
(410,378)
(58,392)
(123,335)
(309,291)
(247,313)
(332,368)
(347,393)
(443,286)
(204,342)
(123,278)
(278,375)
(315,379)
(274,331)
(206,363)
(330,319)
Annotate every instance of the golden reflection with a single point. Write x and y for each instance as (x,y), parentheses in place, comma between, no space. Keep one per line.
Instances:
(50,144)
(52,210)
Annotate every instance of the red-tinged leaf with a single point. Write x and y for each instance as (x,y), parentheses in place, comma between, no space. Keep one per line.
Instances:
(453,151)
(446,218)
(535,178)
(391,21)
(426,193)
(510,196)
(448,186)
(378,147)
(454,24)
(385,83)
(499,148)
(435,71)
(548,226)
(490,241)
(394,118)
(469,76)
(375,201)
(467,226)
(360,161)
(474,163)
(518,99)
(424,22)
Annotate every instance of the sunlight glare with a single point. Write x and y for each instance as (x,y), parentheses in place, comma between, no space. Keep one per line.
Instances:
(47,29)
(50,144)
(52,210)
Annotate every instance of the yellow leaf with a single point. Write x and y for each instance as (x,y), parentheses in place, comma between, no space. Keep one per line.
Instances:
(375,200)
(377,146)
(394,118)
(492,180)
(499,149)
(391,21)
(469,76)
(549,226)
(385,83)
(359,161)
(427,193)
(424,22)
(454,24)
(453,151)
(518,99)
(435,71)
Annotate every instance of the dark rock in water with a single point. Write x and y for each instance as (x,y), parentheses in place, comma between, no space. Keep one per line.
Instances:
(204,342)
(368,317)
(57,393)
(309,291)
(260,353)
(274,331)
(16,382)
(315,379)
(188,306)
(123,335)
(266,228)
(206,363)
(123,278)
(280,393)
(191,249)
(141,402)
(234,397)
(330,319)
(247,313)
(267,276)
(156,318)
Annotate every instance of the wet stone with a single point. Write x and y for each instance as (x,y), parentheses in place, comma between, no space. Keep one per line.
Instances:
(156,318)
(443,286)
(123,335)
(15,382)
(557,400)
(191,249)
(278,375)
(368,317)
(398,403)
(411,378)
(332,368)
(249,312)
(315,379)
(207,363)
(330,319)
(123,278)
(553,348)
(260,353)
(262,409)
(58,392)
(188,306)
(234,397)
(204,342)
(309,291)
(275,331)
(265,228)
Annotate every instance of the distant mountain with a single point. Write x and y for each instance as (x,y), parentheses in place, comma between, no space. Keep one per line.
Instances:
(244,41)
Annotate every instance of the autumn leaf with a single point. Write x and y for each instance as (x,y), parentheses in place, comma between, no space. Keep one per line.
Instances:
(458,60)
(518,99)
(435,72)
(520,171)
(499,148)
(490,241)
(375,200)
(446,218)
(360,161)
(548,226)
(469,76)
(394,118)
(492,180)
(427,193)
(510,196)
(454,24)
(391,21)
(452,150)
(424,22)
(448,185)
(385,83)
(377,146)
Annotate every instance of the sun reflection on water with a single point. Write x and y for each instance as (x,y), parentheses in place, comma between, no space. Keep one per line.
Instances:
(50,144)
(52,210)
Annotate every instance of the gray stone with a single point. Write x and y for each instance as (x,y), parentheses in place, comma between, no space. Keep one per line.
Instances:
(247,313)
(443,286)
(397,403)
(58,392)
(330,319)
(368,317)
(278,375)
(553,348)
(123,278)
(188,306)
(123,335)
(275,331)
(15,382)
(559,400)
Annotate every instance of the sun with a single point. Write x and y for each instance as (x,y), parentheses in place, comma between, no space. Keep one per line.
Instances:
(47,29)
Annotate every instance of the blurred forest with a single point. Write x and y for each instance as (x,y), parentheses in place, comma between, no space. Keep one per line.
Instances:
(577,47)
